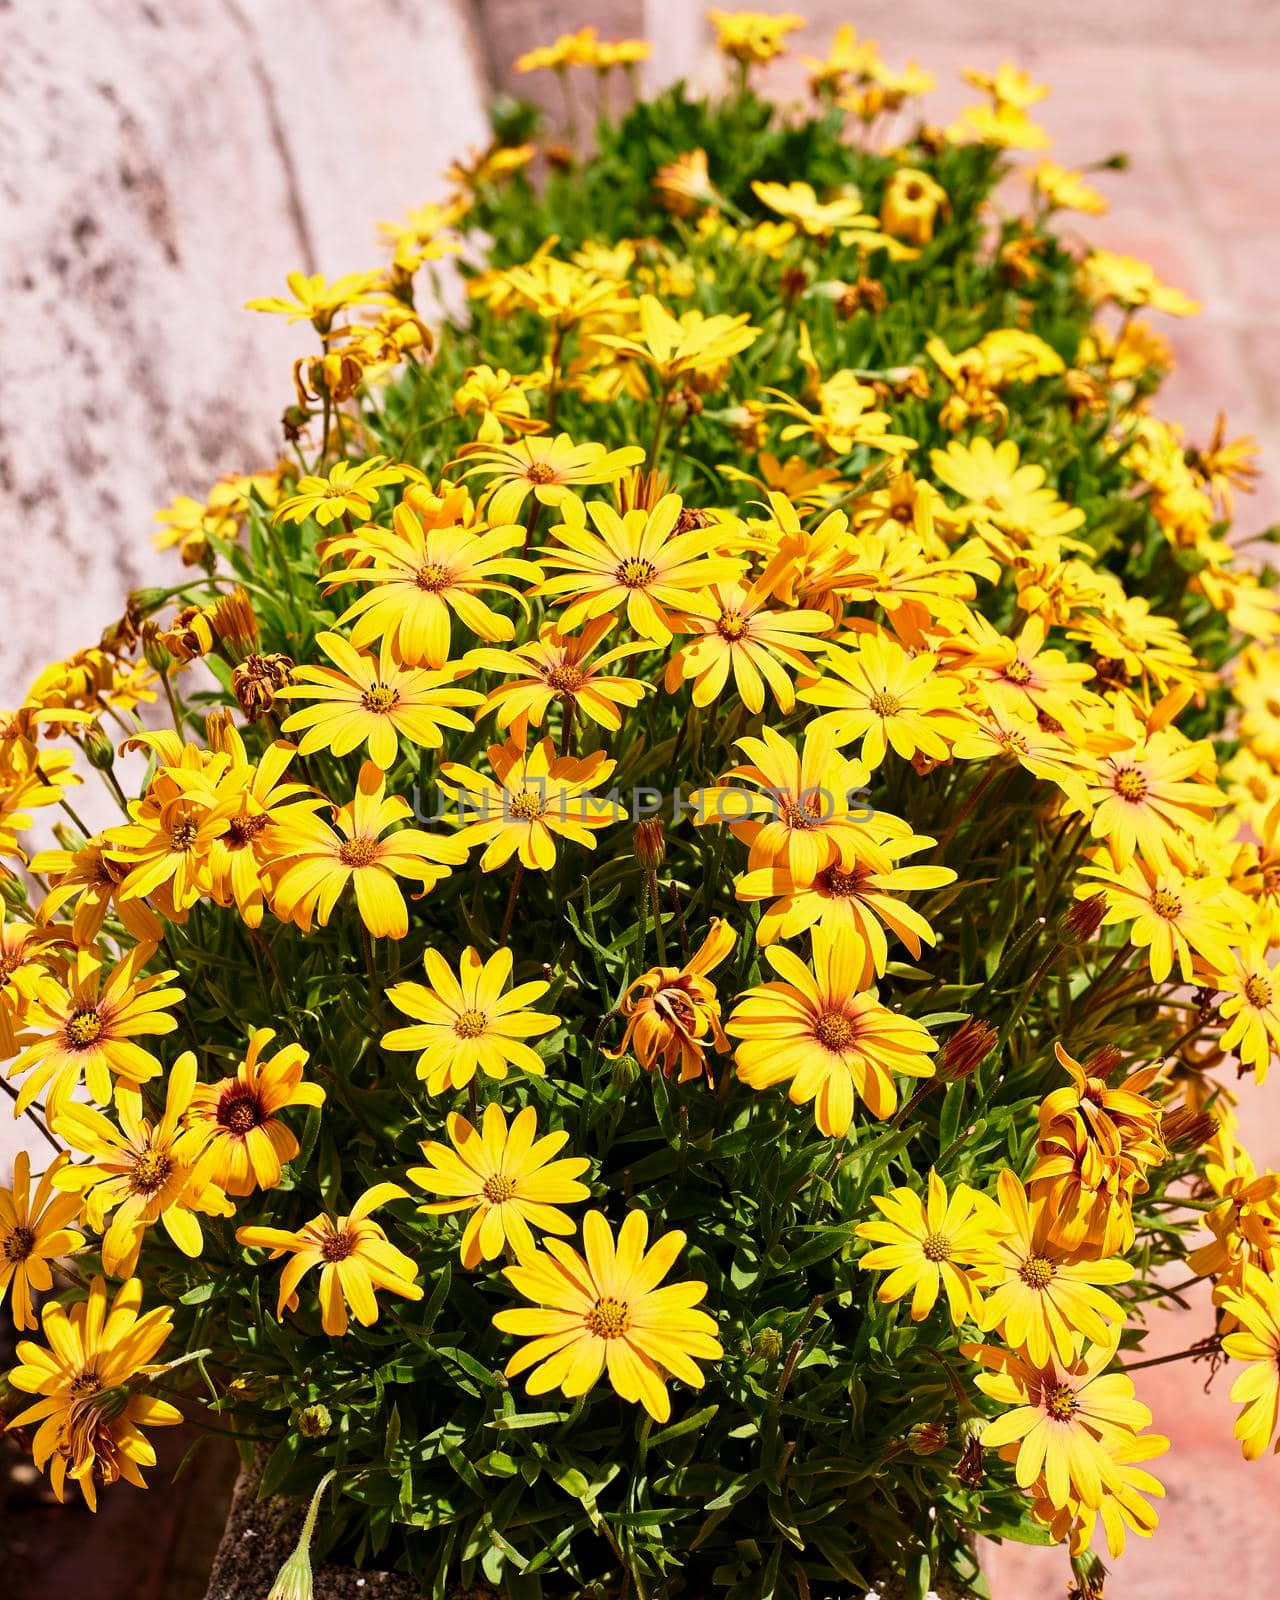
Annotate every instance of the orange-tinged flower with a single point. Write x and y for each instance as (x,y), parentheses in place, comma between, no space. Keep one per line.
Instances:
(671,1011)
(1173,916)
(90,1425)
(604,1311)
(316,863)
(247,1142)
(560,666)
(814,1027)
(506,1178)
(33,1232)
(354,1255)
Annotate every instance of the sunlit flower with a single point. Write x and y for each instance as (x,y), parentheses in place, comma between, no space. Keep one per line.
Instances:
(814,1028)
(560,666)
(470,1021)
(605,1311)
(350,490)
(89,1417)
(506,1178)
(374,701)
(930,1246)
(355,1257)
(549,468)
(673,1013)
(316,863)
(246,1143)
(33,1232)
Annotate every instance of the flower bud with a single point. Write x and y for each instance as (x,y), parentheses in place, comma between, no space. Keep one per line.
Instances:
(294,1580)
(966,1049)
(1102,1063)
(313,1422)
(626,1069)
(1184,1129)
(235,624)
(650,843)
(926,1438)
(767,1345)
(154,649)
(970,1469)
(1082,922)
(98,747)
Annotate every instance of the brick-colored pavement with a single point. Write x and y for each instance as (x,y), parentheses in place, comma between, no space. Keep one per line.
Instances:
(1189,94)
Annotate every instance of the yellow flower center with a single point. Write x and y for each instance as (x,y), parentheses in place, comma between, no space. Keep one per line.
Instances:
(1018,672)
(239,1113)
(379,697)
(635,574)
(833,1029)
(1013,743)
(470,1024)
(885,704)
(1257,991)
(182,836)
(17,1246)
(83,1029)
(150,1171)
(565,679)
(1060,1402)
(796,816)
(498,1188)
(1130,784)
(9,964)
(338,1246)
(1166,905)
(540,472)
(732,625)
(358,852)
(1037,1272)
(433,577)
(526,805)
(609,1318)
(86,1382)
(936,1247)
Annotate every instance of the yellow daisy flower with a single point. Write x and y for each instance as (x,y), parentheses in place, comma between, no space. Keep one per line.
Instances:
(559,666)
(88,1025)
(814,1028)
(883,697)
(1256,1307)
(930,1246)
(1041,1299)
(506,1178)
(546,467)
(350,491)
(316,863)
(246,1142)
(745,637)
(466,1022)
(374,701)
(533,797)
(604,1310)
(418,576)
(33,1232)
(1252,1007)
(354,1255)
(89,1424)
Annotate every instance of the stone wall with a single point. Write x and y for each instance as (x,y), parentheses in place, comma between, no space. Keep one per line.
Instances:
(162,163)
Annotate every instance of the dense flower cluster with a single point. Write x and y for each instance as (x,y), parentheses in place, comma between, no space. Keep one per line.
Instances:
(720,772)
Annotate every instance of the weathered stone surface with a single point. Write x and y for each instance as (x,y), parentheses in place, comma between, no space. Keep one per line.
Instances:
(257,1542)
(160,164)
